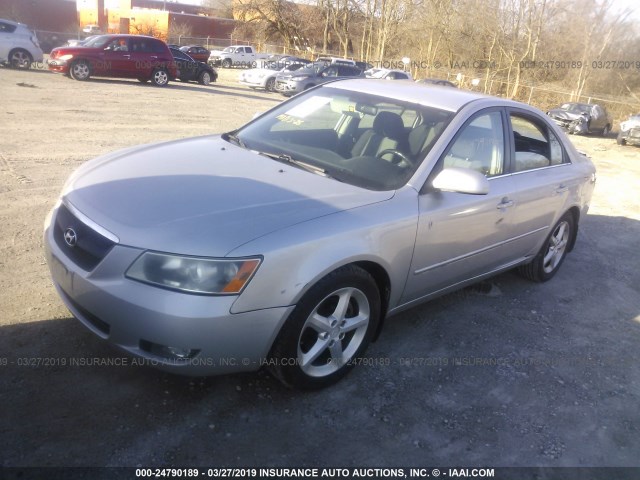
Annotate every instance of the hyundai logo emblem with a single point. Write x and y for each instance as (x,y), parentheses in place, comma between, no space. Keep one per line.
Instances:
(70,237)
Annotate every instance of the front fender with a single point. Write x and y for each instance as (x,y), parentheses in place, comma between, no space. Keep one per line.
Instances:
(297,257)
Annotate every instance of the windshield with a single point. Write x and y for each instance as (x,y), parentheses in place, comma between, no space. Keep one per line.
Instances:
(365,140)
(97,42)
(576,107)
(229,50)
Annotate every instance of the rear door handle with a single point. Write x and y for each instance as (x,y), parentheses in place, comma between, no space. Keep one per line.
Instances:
(505,203)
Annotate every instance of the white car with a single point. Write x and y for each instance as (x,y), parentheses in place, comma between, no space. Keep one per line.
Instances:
(387,74)
(265,77)
(19,46)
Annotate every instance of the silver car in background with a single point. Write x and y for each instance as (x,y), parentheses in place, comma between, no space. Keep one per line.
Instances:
(288,242)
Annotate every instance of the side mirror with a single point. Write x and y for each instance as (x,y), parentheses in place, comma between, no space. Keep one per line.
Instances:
(461,180)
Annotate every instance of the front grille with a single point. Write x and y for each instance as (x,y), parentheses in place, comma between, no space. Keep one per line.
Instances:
(90,247)
(634,133)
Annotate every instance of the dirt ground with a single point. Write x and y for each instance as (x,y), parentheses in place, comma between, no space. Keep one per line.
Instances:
(514,374)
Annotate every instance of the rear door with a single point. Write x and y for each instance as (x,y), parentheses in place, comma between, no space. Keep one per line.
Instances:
(543,176)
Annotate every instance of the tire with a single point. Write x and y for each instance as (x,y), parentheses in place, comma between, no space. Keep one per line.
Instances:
(160,77)
(80,70)
(270,86)
(553,252)
(226,63)
(20,58)
(331,326)
(620,140)
(606,130)
(307,87)
(204,78)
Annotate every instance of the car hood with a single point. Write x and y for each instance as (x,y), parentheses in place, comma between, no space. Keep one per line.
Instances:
(563,114)
(203,196)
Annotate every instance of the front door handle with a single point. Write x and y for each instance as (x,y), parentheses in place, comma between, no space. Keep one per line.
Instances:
(505,203)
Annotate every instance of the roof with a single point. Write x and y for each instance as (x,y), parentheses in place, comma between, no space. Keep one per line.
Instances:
(436,96)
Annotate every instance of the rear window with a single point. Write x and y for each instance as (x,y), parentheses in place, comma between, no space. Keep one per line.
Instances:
(7,28)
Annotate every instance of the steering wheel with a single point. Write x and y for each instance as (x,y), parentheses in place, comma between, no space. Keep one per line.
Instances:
(403,156)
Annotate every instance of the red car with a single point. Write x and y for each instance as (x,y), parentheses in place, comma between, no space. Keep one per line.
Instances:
(197,52)
(121,56)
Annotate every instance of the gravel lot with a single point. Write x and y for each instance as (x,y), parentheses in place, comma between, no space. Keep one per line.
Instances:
(506,374)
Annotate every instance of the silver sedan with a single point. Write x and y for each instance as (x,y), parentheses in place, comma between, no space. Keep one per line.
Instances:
(287,243)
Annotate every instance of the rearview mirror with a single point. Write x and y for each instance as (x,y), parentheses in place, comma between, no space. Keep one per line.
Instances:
(461,180)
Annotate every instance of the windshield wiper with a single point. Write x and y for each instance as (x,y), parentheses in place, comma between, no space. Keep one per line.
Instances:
(282,157)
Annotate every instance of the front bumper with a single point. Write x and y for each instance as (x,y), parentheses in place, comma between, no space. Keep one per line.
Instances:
(58,66)
(289,87)
(252,82)
(631,136)
(140,319)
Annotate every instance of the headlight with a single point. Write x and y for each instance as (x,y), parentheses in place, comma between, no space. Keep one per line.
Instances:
(194,274)
(299,79)
(66,57)
(624,126)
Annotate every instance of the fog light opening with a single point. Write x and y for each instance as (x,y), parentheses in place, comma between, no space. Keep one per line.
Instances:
(168,352)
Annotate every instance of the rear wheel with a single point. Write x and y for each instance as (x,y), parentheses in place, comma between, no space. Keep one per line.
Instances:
(553,252)
(204,78)
(606,130)
(20,58)
(80,70)
(330,327)
(160,77)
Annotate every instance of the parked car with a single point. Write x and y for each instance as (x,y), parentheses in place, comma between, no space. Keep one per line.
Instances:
(388,74)
(188,69)
(630,131)
(336,61)
(119,56)
(19,46)
(78,42)
(92,29)
(291,83)
(197,52)
(236,56)
(364,66)
(582,118)
(437,81)
(286,244)
(265,77)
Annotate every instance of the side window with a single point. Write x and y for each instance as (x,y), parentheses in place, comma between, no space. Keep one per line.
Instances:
(535,145)
(330,72)
(479,146)
(157,46)
(118,45)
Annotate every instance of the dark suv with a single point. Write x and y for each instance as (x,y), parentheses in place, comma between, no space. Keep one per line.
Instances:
(288,83)
(121,56)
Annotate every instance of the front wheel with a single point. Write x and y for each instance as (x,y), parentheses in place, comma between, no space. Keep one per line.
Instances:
(160,77)
(226,63)
(606,130)
(80,70)
(553,252)
(620,140)
(270,85)
(204,78)
(331,326)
